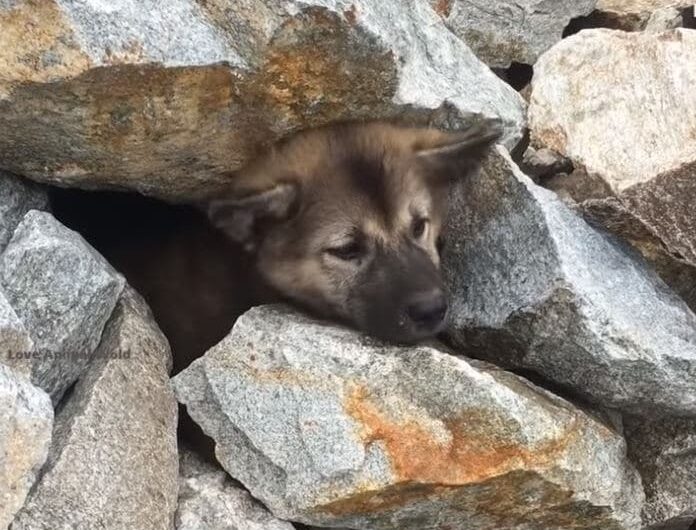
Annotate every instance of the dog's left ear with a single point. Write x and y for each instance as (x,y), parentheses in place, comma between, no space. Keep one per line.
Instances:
(240,214)
(450,155)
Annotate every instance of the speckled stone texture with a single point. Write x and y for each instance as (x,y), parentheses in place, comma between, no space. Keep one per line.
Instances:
(210,500)
(113,462)
(533,286)
(17,197)
(330,428)
(664,451)
(618,105)
(509,31)
(63,292)
(169,98)
(26,421)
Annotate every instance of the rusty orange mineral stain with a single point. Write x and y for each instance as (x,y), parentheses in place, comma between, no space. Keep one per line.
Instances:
(443,7)
(425,464)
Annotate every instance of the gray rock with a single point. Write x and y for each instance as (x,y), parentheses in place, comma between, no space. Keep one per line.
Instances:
(639,15)
(26,420)
(113,462)
(63,291)
(191,90)
(509,31)
(626,126)
(535,287)
(331,428)
(664,452)
(15,341)
(210,500)
(17,197)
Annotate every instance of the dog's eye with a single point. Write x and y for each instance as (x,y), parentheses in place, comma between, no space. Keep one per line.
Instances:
(351,251)
(418,227)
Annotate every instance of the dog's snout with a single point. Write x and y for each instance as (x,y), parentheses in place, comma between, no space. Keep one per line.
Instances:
(428,310)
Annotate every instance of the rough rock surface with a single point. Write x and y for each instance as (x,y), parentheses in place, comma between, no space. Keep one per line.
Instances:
(535,287)
(26,421)
(99,94)
(328,427)
(63,292)
(17,197)
(665,453)
(510,30)
(614,102)
(636,15)
(210,500)
(14,338)
(113,462)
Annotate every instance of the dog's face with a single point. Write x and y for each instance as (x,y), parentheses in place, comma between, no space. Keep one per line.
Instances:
(346,221)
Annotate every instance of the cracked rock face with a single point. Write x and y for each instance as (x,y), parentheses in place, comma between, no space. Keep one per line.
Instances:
(191,90)
(63,292)
(210,500)
(533,286)
(26,421)
(510,30)
(330,428)
(17,197)
(614,103)
(113,462)
(665,453)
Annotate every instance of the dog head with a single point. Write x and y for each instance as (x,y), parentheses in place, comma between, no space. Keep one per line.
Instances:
(346,220)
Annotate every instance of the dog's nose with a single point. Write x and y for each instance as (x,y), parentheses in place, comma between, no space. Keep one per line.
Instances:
(428,310)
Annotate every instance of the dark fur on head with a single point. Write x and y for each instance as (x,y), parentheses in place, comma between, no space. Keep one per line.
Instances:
(345,220)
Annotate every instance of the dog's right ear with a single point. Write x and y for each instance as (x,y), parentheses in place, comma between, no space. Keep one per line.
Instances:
(240,214)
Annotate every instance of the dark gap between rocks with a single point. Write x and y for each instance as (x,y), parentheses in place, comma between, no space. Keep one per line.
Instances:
(195,281)
(689,21)
(517,75)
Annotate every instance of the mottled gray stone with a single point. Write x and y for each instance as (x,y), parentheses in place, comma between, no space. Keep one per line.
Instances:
(331,428)
(14,338)
(26,420)
(63,292)
(192,90)
(613,102)
(664,452)
(509,31)
(535,287)
(210,500)
(17,197)
(638,15)
(113,462)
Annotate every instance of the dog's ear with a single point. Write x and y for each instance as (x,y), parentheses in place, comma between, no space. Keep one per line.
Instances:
(240,214)
(450,155)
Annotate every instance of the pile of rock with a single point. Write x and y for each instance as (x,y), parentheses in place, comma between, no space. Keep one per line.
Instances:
(589,290)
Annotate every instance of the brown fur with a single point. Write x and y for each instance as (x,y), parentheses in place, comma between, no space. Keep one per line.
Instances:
(367,185)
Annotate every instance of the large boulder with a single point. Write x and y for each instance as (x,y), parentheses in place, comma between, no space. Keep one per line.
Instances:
(535,287)
(615,103)
(17,197)
(331,428)
(510,30)
(114,462)
(210,500)
(26,422)
(63,292)
(168,98)
(664,451)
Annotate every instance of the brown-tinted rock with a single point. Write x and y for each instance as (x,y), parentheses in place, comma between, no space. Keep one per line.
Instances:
(636,15)
(617,105)
(167,99)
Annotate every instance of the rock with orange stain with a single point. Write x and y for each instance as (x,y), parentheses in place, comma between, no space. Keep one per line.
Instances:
(26,423)
(535,287)
(614,103)
(509,31)
(331,428)
(170,98)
